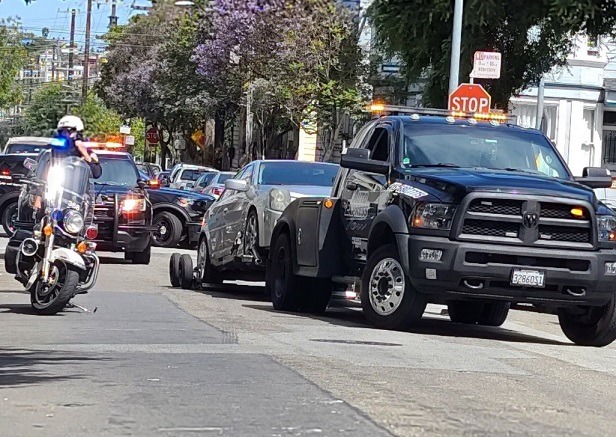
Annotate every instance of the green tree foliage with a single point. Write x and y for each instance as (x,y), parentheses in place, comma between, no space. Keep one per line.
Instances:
(13,57)
(420,33)
(46,108)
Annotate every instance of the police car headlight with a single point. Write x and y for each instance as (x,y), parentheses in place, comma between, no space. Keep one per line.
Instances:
(433,216)
(279,199)
(607,227)
(133,205)
(73,222)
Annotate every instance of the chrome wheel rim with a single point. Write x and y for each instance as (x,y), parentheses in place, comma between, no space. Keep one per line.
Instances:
(386,286)
(46,294)
(202,259)
(250,239)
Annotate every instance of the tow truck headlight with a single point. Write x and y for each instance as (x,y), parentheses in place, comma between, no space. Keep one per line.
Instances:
(433,216)
(73,222)
(279,199)
(133,205)
(607,227)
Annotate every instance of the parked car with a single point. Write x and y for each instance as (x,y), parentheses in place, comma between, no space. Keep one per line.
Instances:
(217,184)
(204,180)
(177,215)
(163,177)
(28,145)
(185,176)
(237,228)
(10,165)
(150,169)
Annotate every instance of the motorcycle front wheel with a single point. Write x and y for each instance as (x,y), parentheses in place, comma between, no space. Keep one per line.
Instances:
(51,298)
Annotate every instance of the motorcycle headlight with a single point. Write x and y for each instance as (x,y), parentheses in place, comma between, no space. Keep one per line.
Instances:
(607,227)
(433,216)
(133,205)
(73,222)
(279,199)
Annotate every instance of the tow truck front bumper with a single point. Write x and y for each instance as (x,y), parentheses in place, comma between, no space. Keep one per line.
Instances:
(470,270)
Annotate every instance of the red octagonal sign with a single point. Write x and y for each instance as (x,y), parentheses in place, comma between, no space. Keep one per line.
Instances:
(470,98)
(151,135)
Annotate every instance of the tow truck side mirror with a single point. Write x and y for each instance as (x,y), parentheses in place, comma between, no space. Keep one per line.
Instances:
(595,177)
(359,159)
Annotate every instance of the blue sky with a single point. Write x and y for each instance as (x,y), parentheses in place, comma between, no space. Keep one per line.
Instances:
(55,15)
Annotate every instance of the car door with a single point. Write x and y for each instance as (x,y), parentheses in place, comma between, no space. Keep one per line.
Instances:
(364,194)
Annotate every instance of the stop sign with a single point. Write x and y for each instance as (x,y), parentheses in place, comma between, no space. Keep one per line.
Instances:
(470,98)
(151,135)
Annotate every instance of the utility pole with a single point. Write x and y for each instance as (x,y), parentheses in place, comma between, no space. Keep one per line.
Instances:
(86,55)
(456,42)
(71,47)
(540,94)
(54,58)
(113,18)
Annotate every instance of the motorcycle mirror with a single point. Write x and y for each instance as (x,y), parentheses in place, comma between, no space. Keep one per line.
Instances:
(142,184)
(30,164)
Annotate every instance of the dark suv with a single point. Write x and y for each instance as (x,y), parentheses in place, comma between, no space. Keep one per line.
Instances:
(466,211)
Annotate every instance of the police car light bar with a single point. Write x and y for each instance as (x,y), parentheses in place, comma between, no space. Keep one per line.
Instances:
(381,110)
(92,145)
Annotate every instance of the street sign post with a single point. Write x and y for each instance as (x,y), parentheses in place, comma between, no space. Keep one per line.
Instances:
(470,98)
(125,130)
(129,140)
(486,65)
(151,136)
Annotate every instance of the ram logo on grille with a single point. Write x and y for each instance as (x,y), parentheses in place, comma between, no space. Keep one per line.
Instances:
(531,220)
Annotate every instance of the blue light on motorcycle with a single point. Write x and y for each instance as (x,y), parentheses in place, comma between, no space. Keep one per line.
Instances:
(59,143)
(57,215)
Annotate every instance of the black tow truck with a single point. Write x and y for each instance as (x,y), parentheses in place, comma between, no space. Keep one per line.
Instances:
(468,210)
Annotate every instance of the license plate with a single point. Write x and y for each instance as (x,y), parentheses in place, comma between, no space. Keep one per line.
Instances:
(528,278)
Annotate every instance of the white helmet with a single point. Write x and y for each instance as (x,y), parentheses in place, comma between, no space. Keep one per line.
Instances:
(71,122)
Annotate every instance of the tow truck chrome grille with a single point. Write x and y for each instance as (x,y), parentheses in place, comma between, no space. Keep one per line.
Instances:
(527,222)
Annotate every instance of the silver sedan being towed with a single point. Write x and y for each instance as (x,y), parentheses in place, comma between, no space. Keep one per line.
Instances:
(236,230)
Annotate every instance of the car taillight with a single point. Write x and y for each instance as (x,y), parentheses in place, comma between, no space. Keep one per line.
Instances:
(91,232)
(5,172)
(217,191)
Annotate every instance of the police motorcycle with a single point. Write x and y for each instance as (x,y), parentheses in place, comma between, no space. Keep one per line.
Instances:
(58,261)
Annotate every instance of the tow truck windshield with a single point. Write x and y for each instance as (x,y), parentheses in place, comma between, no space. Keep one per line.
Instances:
(467,146)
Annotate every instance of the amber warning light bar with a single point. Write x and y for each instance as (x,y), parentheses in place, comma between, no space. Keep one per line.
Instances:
(379,109)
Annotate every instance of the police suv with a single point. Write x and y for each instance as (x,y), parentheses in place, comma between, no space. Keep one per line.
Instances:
(467,210)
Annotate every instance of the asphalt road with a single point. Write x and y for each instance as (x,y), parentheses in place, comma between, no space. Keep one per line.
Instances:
(154,360)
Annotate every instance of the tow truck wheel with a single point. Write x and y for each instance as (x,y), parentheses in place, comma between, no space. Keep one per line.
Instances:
(207,274)
(388,298)
(316,295)
(286,290)
(185,271)
(174,270)
(589,326)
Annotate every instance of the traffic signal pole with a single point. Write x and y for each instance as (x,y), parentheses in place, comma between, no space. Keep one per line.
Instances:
(456,42)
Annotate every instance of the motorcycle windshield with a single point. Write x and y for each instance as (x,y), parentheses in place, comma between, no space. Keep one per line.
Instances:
(67,183)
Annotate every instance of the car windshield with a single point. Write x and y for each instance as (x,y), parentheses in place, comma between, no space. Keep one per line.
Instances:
(471,146)
(223,177)
(25,148)
(191,175)
(117,172)
(207,179)
(297,173)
